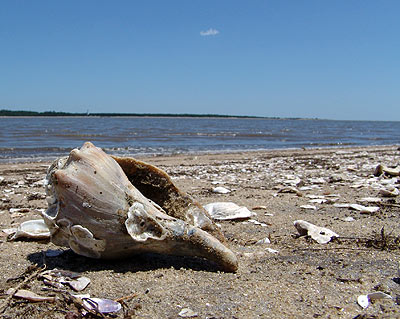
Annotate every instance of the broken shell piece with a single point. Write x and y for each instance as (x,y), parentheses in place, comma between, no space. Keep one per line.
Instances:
(98,212)
(221,190)
(262,207)
(312,207)
(364,209)
(369,200)
(363,300)
(380,169)
(101,305)
(187,313)
(77,284)
(263,241)
(228,211)
(57,278)
(29,295)
(318,200)
(290,189)
(389,193)
(272,251)
(35,229)
(319,234)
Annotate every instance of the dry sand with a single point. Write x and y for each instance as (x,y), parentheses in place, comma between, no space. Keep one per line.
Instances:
(303,279)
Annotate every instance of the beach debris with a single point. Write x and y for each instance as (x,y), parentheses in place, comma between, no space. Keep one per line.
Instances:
(342,205)
(18,210)
(393,192)
(228,211)
(29,295)
(369,200)
(261,207)
(256,222)
(358,207)
(321,235)
(101,305)
(220,190)
(290,189)
(383,169)
(292,180)
(312,207)
(110,207)
(187,313)
(33,229)
(318,200)
(263,241)
(9,231)
(348,219)
(272,251)
(364,209)
(318,180)
(58,278)
(364,300)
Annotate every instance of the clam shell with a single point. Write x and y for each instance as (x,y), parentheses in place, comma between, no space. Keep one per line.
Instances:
(35,229)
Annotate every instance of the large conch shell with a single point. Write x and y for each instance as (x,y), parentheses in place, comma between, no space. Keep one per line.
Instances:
(110,207)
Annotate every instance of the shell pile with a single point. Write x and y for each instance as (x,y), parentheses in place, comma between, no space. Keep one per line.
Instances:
(110,207)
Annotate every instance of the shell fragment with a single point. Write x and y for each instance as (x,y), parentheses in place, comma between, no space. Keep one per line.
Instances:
(319,234)
(228,211)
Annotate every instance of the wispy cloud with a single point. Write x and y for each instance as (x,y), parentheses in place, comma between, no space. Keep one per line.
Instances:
(209,32)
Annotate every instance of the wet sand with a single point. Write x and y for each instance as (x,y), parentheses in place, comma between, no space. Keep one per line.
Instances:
(291,277)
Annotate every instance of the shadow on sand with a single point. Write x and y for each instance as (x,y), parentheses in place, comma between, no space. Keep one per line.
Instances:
(68,260)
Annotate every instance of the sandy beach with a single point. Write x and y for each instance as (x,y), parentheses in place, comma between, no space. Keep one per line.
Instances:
(292,276)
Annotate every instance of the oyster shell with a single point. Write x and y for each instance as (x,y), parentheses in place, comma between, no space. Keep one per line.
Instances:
(104,207)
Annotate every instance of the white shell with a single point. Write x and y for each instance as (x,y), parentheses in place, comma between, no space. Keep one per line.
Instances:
(221,190)
(321,235)
(96,211)
(228,211)
(364,209)
(363,301)
(36,229)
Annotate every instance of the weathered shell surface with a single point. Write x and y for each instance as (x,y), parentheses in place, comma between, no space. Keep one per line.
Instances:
(96,210)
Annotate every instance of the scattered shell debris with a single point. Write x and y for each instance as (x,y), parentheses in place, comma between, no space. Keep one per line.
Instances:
(337,184)
(59,278)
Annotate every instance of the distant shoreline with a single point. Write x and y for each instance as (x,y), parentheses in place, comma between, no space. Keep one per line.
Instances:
(9,113)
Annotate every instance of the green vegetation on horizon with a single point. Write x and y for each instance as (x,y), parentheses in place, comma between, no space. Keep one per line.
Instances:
(54,113)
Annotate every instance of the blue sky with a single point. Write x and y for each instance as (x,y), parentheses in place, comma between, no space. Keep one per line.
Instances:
(321,59)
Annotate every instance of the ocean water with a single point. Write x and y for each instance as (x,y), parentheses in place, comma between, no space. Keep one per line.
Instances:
(45,138)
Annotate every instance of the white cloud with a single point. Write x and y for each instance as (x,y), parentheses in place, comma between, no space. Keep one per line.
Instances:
(209,32)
